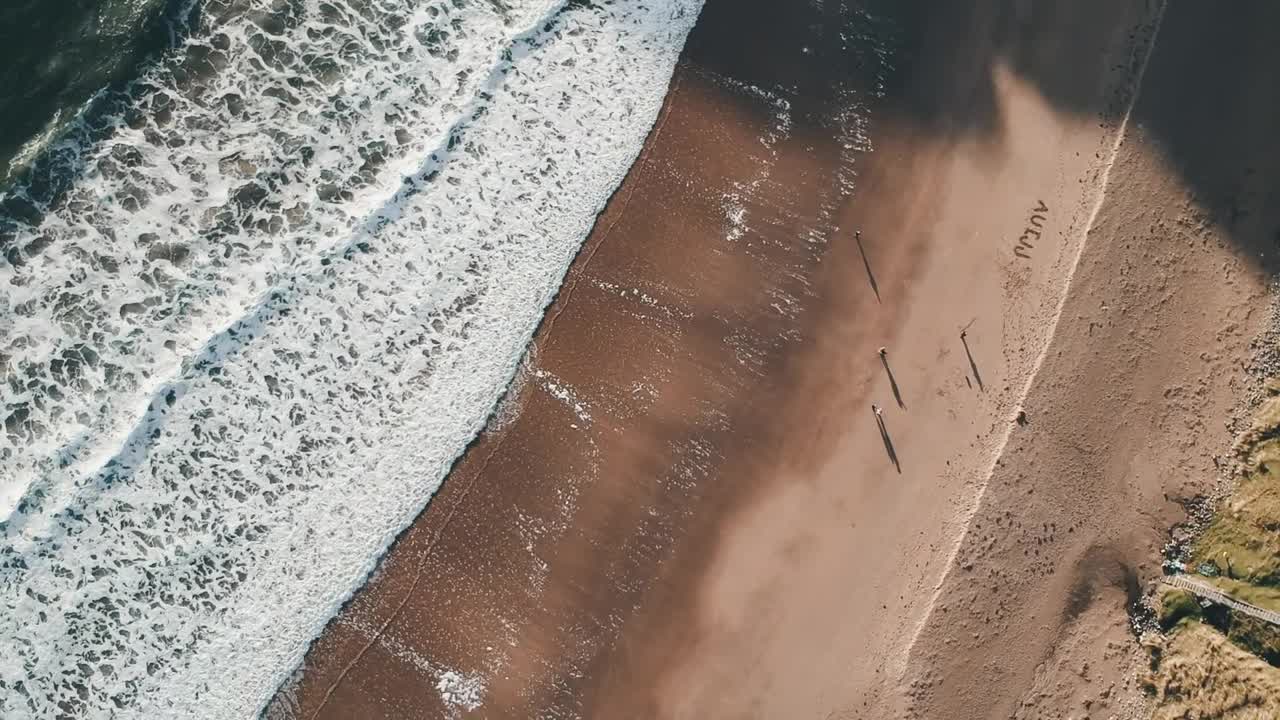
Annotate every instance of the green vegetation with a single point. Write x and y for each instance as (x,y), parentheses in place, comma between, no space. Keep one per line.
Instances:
(1216,663)
(1239,551)
(1196,673)
(1263,596)
(1257,636)
(1176,606)
(1243,541)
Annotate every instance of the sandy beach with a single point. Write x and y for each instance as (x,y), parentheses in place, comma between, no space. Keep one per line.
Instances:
(686,508)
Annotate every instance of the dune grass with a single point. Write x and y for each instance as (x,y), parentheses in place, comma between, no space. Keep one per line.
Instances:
(1243,540)
(1199,674)
(1177,605)
(1262,596)
(1215,663)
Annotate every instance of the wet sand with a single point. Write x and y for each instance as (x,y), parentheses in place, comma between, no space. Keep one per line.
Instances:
(686,508)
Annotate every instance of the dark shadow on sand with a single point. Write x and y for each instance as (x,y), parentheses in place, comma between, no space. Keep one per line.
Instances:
(875,288)
(973,366)
(888,442)
(893,383)
(1226,109)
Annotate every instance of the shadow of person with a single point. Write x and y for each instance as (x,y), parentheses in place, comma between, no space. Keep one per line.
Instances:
(888,442)
(893,383)
(972,365)
(875,288)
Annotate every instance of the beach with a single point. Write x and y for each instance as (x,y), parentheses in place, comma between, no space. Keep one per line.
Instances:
(686,507)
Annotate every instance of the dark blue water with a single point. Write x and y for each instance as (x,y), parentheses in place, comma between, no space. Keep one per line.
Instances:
(57,55)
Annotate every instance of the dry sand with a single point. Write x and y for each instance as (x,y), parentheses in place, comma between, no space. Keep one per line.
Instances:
(686,510)
(1129,408)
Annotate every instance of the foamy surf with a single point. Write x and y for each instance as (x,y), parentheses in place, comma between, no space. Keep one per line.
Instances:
(266,305)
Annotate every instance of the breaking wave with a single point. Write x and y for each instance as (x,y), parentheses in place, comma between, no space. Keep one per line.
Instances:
(258,305)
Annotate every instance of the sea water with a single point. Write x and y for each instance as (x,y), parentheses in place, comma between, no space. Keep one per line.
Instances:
(257,302)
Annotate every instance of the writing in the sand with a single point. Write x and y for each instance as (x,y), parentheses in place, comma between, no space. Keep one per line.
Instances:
(1032,232)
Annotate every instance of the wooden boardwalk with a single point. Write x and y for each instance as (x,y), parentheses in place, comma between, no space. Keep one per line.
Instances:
(1210,592)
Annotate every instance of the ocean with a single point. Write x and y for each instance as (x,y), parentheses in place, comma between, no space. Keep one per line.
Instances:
(55,57)
(268,266)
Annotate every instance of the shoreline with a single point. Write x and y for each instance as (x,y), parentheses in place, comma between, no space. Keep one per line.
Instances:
(673,312)
(685,509)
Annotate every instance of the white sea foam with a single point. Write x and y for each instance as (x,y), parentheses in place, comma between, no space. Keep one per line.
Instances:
(284,287)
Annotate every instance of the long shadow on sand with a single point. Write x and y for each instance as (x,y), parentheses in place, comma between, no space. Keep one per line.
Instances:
(1223,123)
